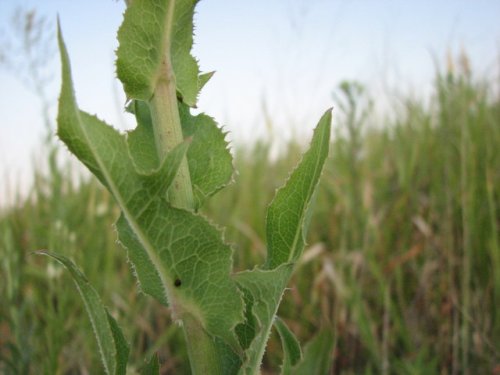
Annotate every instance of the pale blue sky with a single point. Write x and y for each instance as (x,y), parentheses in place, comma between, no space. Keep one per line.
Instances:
(288,54)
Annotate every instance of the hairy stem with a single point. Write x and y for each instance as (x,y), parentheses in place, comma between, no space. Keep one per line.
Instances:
(168,134)
(202,349)
(167,123)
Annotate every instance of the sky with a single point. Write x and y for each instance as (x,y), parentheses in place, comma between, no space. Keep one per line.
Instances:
(274,59)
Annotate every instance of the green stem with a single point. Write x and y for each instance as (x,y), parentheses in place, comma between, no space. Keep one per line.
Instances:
(168,134)
(202,349)
(167,124)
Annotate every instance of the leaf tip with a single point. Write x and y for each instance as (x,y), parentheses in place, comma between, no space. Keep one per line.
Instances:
(328,114)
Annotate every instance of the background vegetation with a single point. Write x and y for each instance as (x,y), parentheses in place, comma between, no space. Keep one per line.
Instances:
(403,262)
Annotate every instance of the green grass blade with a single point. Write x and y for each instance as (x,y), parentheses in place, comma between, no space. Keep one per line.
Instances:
(152,367)
(317,358)
(112,345)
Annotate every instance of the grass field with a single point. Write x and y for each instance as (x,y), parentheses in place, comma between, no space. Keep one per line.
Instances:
(403,261)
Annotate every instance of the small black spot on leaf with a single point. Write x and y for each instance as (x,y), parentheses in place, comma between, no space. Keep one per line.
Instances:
(177,282)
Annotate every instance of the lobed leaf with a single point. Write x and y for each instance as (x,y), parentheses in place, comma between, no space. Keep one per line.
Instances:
(105,152)
(209,159)
(179,258)
(155,33)
(113,348)
(187,73)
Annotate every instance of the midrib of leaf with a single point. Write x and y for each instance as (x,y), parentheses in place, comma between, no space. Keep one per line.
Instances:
(155,260)
(312,186)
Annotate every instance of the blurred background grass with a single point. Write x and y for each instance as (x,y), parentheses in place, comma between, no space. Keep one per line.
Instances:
(402,262)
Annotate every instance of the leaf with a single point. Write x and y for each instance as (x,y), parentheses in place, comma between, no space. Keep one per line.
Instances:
(152,367)
(247,330)
(287,212)
(229,362)
(317,358)
(290,345)
(194,260)
(152,32)
(141,140)
(122,348)
(204,78)
(113,348)
(209,159)
(265,288)
(185,66)
(104,151)
(179,257)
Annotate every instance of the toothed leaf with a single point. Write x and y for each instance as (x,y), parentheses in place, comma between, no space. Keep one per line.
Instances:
(179,258)
(122,348)
(141,140)
(266,288)
(152,32)
(209,159)
(204,78)
(287,213)
(195,261)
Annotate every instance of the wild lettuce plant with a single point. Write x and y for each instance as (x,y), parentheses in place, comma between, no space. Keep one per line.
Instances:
(160,174)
